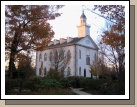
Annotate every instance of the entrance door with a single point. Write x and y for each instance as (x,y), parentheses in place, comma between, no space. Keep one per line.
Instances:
(84,72)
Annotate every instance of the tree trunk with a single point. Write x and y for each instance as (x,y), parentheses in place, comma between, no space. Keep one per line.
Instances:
(14,45)
(12,67)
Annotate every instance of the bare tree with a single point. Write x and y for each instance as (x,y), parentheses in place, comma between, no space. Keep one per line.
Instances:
(59,59)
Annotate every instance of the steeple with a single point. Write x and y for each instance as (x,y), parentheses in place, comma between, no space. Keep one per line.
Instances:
(83,18)
(83,28)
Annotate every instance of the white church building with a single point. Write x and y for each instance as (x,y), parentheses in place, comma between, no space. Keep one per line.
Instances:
(82,48)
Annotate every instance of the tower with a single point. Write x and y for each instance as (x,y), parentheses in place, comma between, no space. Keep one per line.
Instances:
(83,28)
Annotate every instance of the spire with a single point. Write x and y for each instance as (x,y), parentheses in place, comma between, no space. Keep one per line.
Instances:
(83,15)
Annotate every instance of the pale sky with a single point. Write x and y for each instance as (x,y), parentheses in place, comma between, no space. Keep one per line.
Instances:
(66,24)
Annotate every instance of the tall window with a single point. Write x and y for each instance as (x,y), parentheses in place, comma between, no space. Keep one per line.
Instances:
(79,71)
(61,54)
(68,71)
(45,71)
(51,56)
(45,57)
(88,60)
(79,54)
(40,71)
(62,70)
(68,54)
(40,57)
(95,57)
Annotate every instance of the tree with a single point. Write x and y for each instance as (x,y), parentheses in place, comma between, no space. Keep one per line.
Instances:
(97,67)
(113,38)
(27,27)
(59,59)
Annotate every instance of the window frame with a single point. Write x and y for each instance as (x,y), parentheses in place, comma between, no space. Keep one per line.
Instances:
(87,60)
(45,57)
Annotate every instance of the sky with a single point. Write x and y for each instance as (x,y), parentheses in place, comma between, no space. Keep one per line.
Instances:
(66,24)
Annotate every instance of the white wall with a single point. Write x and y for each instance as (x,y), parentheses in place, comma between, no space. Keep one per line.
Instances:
(82,62)
(47,62)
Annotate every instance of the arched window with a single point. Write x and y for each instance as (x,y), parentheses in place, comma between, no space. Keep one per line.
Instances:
(79,71)
(45,57)
(45,71)
(79,54)
(40,57)
(88,60)
(68,71)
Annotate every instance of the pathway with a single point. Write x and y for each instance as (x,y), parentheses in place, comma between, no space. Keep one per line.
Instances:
(79,92)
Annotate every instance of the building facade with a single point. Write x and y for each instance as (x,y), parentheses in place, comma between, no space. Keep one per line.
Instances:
(82,49)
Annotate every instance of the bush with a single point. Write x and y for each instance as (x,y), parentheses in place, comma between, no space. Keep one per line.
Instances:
(33,83)
(92,84)
(84,82)
(52,74)
(65,83)
(25,72)
(16,82)
(75,81)
(7,85)
(49,83)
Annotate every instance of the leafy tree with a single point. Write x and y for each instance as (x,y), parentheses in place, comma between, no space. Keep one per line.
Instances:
(27,27)
(113,38)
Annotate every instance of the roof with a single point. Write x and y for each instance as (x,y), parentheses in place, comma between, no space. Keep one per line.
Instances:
(83,15)
(75,40)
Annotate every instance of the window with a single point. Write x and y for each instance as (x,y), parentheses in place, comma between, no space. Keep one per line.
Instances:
(40,57)
(40,71)
(51,56)
(68,71)
(45,71)
(45,57)
(79,54)
(84,72)
(88,60)
(79,71)
(62,70)
(95,57)
(68,54)
(61,54)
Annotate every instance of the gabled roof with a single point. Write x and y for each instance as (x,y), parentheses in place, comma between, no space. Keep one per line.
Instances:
(74,41)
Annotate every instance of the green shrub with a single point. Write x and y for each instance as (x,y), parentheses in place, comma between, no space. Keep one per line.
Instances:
(49,83)
(65,83)
(93,84)
(7,85)
(107,89)
(16,82)
(75,81)
(84,82)
(52,74)
(33,83)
